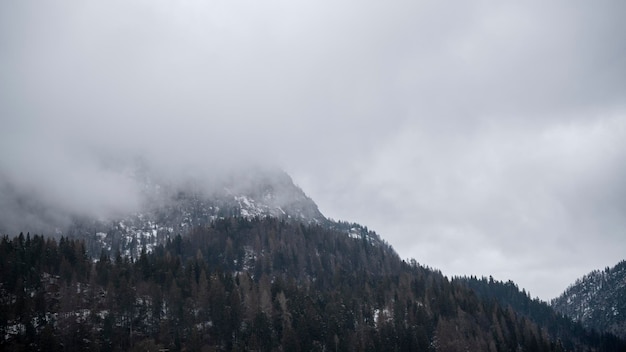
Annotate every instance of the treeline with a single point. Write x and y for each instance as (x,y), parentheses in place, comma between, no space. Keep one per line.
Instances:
(597,300)
(262,284)
(508,294)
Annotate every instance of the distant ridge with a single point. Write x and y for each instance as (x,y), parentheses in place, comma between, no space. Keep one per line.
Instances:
(597,300)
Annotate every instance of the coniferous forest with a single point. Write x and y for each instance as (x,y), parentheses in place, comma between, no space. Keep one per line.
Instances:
(263,284)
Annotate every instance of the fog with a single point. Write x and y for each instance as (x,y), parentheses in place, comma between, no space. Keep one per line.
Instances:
(478,138)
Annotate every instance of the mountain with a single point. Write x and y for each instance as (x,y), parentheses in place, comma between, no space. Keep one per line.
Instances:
(246,261)
(171,206)
(597,300)
(256,284)
(509,296)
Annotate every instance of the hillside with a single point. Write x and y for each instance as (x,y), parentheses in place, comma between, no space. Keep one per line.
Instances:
(255,284)
(509,295)
(597,300)
(246,261)
(166,207)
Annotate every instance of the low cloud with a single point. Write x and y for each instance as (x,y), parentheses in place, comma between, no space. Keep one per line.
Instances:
(477,138)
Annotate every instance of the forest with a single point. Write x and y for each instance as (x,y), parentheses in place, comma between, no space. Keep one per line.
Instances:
(263,284)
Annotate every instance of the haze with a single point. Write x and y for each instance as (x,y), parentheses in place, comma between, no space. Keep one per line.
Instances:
(479,138)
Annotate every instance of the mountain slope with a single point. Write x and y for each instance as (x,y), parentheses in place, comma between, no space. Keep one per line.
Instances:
(597,300)
(259,284)
(247,262)
(509,296)
(169,208)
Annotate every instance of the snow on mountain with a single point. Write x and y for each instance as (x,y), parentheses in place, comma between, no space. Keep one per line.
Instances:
(597,300)
(171,208)
(168,203)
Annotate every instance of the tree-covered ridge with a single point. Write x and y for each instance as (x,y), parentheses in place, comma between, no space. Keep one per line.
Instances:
(597,300)
(508,294)
(259,284)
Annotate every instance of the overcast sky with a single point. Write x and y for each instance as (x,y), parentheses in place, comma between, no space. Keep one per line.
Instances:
(476,137)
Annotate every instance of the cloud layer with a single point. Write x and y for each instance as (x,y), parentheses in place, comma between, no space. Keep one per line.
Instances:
(478,138)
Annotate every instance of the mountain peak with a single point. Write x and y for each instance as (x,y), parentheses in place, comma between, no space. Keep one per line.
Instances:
(171,206)
(164,203)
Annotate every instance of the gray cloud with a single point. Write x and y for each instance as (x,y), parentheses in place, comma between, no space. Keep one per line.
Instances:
(478,138)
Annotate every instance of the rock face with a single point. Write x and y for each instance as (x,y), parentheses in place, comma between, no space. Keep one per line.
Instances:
(597,300)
